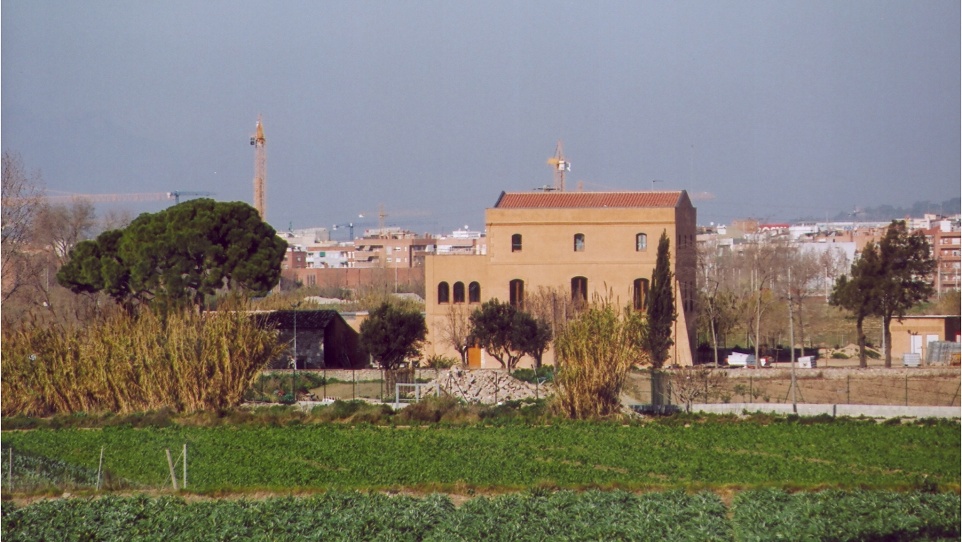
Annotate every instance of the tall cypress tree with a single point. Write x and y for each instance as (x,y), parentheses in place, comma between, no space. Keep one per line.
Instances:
(661,306)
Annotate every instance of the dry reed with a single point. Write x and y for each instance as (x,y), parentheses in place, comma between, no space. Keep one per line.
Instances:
(185,362)
(595,351)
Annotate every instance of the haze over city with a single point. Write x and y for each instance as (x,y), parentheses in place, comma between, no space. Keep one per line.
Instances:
(771,110)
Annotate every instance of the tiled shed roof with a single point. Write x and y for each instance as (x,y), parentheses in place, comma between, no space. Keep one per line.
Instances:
(568,200)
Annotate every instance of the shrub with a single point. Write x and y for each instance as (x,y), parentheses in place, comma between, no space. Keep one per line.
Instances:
(437,361)
(429,409)
(352,411)
(544,372)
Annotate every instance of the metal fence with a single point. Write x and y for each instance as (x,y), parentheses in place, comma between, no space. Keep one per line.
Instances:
(813,386)
(337,384)
(876,386)
(943,353)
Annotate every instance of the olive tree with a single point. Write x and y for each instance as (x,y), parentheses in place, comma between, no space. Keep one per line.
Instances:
(508,334)
(392,334)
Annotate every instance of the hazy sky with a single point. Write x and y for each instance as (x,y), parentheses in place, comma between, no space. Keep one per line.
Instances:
(778,108)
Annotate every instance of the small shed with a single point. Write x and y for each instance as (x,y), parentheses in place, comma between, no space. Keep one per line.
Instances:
(915,334)
(324,340)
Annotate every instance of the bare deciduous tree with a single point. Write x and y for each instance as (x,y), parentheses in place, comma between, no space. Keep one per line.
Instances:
(22,199)
(717,304)
(553,306)
(456,330)
(60,227)
(690,384)
(115,220)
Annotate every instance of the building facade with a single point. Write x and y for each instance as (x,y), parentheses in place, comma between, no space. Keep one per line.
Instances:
(390,247)
(918,334)
(946,246)
(585,244)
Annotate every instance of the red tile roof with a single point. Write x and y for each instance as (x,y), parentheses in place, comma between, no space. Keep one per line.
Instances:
(567,200)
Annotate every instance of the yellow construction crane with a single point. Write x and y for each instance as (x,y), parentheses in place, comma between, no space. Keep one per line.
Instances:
(260,169)
(560,165)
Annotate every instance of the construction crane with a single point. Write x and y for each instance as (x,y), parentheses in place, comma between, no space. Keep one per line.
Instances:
(381,215)
(382,227)
(560,165)
(260,169)
(176,194)
(110,198)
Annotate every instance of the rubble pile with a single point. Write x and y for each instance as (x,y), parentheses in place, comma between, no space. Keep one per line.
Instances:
(488,387)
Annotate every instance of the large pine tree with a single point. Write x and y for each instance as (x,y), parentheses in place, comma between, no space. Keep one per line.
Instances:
(887,280)
(855,293)
(661,306)
(907,267)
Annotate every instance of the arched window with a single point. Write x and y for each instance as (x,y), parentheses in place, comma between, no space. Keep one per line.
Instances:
(474,293)
(516,242)
(459,292)
(579,289)
(579,242)
(641,242)
(516,288)
(443,292)
(639,294)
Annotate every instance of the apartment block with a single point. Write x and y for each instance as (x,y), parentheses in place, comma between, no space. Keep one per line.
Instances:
(946,246)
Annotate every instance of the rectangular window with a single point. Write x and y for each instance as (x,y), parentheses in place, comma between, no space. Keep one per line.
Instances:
(641,242)
(516,295)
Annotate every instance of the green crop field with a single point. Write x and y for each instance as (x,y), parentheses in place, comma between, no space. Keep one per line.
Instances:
(670,479)
(698,455)
(539,515)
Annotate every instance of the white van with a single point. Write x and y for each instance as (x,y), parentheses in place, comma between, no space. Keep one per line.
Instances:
(737,359)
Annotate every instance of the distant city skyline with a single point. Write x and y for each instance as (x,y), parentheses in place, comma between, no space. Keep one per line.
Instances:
(431,109)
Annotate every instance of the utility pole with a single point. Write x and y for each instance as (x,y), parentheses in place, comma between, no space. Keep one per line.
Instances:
(791,339)
(294,374)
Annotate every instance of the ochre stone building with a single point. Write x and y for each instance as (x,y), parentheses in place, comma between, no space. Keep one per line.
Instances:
(581,243)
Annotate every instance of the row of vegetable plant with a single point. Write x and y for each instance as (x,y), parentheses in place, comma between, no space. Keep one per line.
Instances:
(534,515)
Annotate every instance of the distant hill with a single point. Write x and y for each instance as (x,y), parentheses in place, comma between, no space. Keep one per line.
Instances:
(885,213)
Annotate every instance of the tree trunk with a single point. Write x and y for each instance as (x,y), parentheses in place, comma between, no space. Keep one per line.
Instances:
(714,340)
(860,332)
(758,326)
(887,337)
(801,326)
